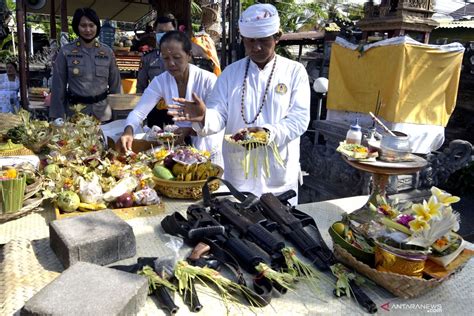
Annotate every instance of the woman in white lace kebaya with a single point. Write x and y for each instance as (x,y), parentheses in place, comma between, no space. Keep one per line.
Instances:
(9,87)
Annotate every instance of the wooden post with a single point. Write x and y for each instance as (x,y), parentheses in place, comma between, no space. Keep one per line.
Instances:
(224,36)
(52,21)
(20,24)
(64,24)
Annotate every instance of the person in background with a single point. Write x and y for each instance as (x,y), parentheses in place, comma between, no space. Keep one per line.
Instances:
(9,87)
(85,71)
(151,66)
(179,79)
(263,91)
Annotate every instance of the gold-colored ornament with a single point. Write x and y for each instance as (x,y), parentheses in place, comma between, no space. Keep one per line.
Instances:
(281,88)
(75,71)
(388,261)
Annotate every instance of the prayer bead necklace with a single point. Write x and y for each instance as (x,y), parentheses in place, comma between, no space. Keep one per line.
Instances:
(244,88)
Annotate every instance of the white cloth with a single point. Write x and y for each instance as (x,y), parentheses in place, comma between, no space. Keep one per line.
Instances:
(285,114)
(423,138)
(259,20)
(164,86)
(8,93)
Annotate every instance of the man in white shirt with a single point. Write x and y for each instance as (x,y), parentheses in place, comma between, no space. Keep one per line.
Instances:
(262,91)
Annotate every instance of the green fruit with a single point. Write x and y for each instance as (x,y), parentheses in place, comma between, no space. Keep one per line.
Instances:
(51,170)
(339,228)
(68,201)
(162,172)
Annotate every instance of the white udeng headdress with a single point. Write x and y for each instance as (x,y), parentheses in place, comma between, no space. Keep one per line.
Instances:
(259,20)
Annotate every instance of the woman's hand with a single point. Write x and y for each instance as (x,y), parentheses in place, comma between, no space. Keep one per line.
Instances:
(126,140)
(192,111)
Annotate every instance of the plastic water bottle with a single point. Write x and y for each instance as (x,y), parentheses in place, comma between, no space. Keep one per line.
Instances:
(354,134)
(45,82)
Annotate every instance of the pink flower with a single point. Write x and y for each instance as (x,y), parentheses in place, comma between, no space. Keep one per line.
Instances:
(405,219)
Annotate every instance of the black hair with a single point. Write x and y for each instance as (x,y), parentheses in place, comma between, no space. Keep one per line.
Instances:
(166,18)
(179,37)
(13,64)
(88,13)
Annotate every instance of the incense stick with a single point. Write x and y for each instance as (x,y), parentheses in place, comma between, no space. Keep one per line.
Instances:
(385,128)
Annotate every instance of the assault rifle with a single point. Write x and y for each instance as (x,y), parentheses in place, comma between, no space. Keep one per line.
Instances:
(291,224)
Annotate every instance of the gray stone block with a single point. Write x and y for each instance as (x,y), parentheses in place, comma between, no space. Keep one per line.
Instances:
(89,289)
(99,237)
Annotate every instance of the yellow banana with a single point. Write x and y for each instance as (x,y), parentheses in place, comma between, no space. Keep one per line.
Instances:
(92,206)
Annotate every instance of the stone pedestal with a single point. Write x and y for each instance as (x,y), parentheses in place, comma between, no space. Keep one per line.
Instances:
(100,238)
(89,289)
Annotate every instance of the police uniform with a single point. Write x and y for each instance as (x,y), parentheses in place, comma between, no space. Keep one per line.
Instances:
(151,65)
(84,75)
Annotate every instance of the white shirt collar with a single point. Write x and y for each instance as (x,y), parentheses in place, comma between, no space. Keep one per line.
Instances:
(268,65)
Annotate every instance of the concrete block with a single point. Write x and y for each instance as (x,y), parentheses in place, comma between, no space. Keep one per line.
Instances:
(89,289)
(99,237)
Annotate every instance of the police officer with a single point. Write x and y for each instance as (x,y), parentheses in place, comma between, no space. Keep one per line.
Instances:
(151,66)
(85,71)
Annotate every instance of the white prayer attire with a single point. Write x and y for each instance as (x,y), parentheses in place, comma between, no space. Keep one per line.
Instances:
(286,114)
(8,94)
(164,86)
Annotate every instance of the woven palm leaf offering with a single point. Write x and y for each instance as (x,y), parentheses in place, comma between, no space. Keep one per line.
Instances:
(415,245)
(11,149)
(9,121)
(12,187)
(82,176)
(357,152)
(228,290)
(182,171)
(253,143)
(34,134)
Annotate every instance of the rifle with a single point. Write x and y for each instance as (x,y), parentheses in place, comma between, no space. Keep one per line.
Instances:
(202,227)
(205,226)
(165,301)
(291,223)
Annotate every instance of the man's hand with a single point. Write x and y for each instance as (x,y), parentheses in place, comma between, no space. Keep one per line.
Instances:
(182,133)
(126,140)
(192,111)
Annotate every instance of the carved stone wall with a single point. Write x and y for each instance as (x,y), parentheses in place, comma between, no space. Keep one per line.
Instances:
(330,177)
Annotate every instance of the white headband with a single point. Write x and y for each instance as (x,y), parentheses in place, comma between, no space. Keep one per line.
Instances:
(259,20)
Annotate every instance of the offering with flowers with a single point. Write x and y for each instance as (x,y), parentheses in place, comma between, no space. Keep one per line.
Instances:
(254,140)
(406,235)
(181,172)
(12,187)
(357,152)
(183,163)
(81,176)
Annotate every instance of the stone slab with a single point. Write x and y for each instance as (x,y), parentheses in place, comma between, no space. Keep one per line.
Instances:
(99,237)
(89,289)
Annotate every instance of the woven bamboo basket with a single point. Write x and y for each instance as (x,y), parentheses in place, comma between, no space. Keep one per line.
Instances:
(186,189)
(399,285)
(123,101)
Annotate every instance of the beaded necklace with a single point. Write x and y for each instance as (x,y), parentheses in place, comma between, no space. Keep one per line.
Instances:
(244,88)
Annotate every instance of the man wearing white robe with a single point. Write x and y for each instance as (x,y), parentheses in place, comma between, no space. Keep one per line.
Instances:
(285,112)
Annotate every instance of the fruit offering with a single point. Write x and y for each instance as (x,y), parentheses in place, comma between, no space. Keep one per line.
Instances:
(183,164)
(358,152)
(244,136)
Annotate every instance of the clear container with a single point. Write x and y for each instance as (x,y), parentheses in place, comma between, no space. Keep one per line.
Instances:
(354,134)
